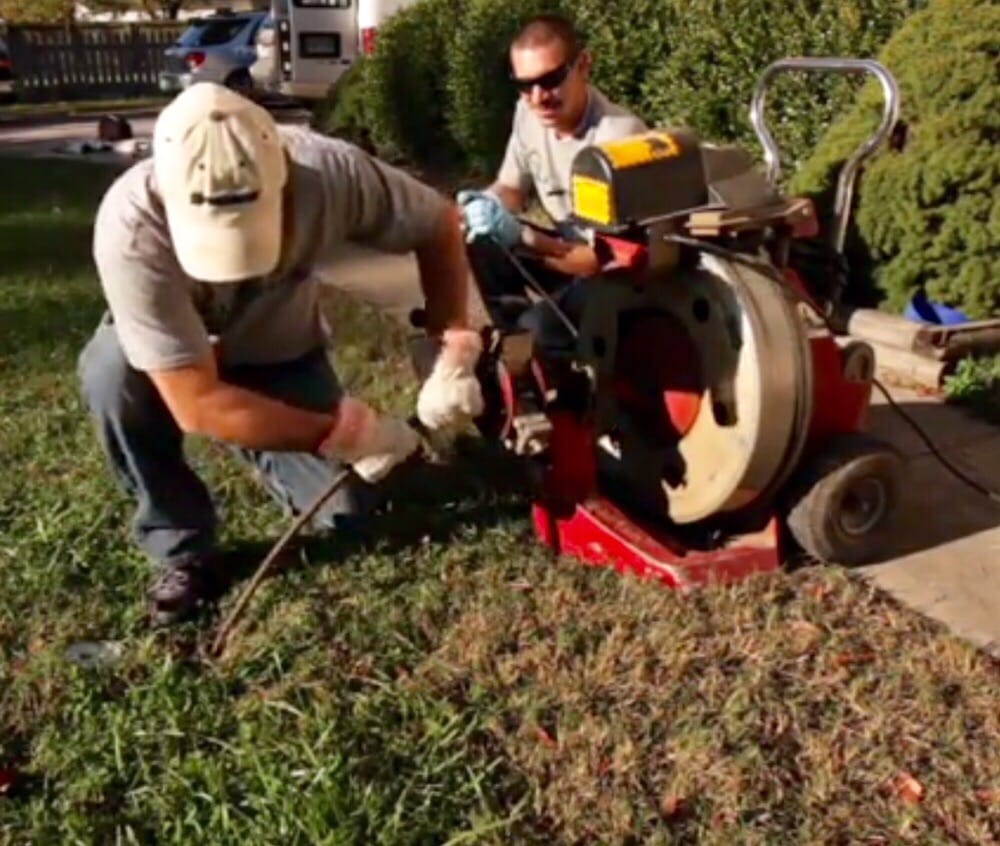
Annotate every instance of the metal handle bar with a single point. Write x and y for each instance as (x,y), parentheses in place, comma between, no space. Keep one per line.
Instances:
(848,175)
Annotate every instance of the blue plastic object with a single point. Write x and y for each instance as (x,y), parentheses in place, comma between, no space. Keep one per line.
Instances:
(922,310)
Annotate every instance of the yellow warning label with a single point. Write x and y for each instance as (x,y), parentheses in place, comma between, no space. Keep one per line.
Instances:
(641,149)
(592,199)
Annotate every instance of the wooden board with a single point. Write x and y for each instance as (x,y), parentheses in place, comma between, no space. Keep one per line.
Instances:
(794,212)
(939,343)
(909,369)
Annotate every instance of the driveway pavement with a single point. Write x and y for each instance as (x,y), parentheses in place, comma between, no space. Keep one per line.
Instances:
(70,137)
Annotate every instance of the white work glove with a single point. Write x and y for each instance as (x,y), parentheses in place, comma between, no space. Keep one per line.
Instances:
(451,396)
(372,444)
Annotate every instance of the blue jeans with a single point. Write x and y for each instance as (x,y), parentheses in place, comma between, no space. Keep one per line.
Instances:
(547,328)
(504,292)
(175,517)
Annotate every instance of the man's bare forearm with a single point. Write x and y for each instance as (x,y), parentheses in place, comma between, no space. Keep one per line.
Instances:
(512,198)
(202,404)
(248,419)
(444,275)
(255,421)
(580,260)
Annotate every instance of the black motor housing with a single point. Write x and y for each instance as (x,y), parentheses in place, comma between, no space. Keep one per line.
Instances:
(627,182)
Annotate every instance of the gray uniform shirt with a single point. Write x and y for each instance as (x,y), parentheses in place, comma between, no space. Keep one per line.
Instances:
(537,158)
(165,319)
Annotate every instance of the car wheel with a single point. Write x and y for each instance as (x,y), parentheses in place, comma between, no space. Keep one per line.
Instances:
(240,80)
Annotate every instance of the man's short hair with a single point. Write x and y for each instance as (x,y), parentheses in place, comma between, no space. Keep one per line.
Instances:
(544,29)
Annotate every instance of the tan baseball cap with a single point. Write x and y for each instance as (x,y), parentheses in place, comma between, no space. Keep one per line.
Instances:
(220,168)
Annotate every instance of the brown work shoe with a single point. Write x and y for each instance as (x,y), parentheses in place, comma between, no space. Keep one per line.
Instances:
(182,590)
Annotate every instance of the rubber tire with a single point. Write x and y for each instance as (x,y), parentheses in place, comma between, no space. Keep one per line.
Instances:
(240,81)
(817,495)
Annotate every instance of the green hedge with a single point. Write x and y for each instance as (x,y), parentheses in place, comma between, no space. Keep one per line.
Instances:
(349,113)
(401,93)
(429,93)
(436,92)
(628,41)
(625,40)
(437,87)
(927,216)
(721,47)
(481,96)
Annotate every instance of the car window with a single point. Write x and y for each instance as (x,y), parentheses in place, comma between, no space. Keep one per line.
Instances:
(212,33)
(255,27)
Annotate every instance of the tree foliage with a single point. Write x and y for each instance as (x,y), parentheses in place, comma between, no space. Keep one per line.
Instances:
(37,11)
(439,77)
(163,9)
(437,90)
(720,48)
(928,215)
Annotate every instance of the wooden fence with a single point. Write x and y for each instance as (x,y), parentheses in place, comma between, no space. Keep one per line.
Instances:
(88,60)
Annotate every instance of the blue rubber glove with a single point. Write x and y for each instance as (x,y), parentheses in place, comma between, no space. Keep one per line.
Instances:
(486,217)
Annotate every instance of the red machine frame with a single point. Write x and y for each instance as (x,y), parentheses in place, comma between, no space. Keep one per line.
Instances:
(572,517)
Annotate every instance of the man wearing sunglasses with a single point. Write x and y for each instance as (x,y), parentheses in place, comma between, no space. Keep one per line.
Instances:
(558,113)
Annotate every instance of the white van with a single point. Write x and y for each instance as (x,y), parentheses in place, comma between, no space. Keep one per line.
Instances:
(371,14)
(305,46)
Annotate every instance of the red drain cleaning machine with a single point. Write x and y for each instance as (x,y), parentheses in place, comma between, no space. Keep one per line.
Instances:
(710,423)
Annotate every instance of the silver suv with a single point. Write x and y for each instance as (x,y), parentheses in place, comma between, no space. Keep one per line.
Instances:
(219,49)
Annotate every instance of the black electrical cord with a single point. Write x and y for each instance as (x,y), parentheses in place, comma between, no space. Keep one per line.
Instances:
(538,289)
(770,271)
(958,474)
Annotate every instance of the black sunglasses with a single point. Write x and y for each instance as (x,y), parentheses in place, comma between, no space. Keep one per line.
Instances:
(547,81)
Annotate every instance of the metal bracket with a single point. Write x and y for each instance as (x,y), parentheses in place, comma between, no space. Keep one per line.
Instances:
(848,175)
(531,434)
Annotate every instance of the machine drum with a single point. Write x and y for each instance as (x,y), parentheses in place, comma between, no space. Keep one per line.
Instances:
(658,380)
(840,504)
(705,388)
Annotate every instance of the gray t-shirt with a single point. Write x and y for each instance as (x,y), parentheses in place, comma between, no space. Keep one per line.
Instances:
(537,158)
(165,319)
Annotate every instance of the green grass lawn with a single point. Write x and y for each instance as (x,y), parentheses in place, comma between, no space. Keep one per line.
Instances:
(448,684)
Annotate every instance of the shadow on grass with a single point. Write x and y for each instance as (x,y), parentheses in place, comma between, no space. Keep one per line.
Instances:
(43,185)
(39,247)
(429,503)
(487,488)
(49,294)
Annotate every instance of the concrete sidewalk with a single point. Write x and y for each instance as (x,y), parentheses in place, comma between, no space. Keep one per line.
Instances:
(946,563)
(947,560)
